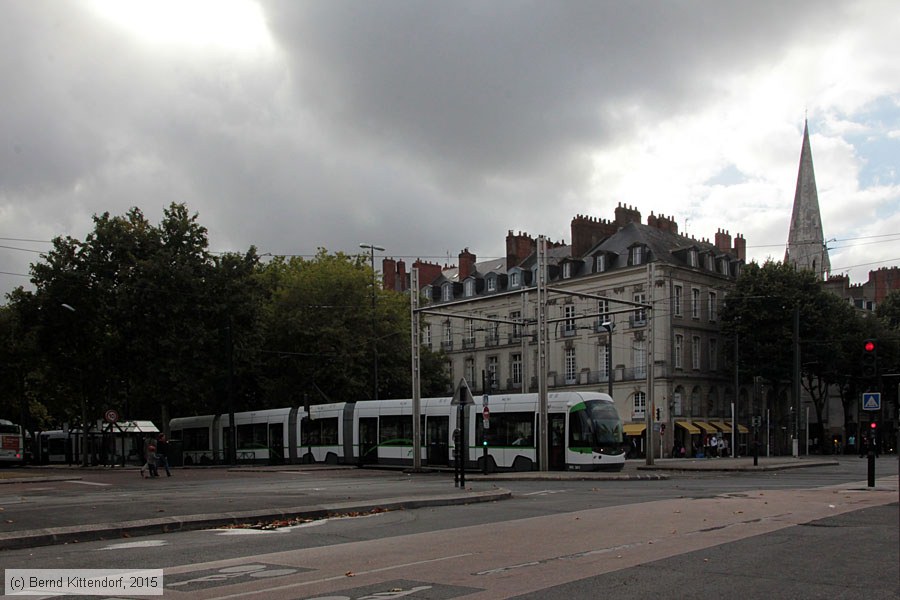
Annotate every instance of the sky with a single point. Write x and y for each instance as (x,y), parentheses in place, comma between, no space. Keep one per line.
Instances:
(429,127)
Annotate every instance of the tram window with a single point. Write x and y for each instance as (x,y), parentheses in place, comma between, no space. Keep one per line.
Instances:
(507,429)
(395,428)
(320,432)
(196,438)
(252,435)
(56,446)
(577,434)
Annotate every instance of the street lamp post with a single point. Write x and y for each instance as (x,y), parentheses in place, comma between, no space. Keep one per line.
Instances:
(84,438)
(372,248)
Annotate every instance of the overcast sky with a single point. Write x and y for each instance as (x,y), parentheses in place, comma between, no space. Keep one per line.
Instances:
(429,127)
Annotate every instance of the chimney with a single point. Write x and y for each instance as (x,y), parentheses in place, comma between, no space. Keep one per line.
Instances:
(518,248)
(402,281)
(428,272)
(588,231)
(740,247)
(388,274)
(466,264)
(626,215)
(723,241)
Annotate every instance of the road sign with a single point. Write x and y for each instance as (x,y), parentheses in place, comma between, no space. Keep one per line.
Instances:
(757,421)
(111,416)
(462,395)
(486,413)
(871,401)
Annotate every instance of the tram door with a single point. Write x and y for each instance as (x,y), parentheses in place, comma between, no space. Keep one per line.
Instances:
(276,444)
(368,440)
(437,436)
(557,441)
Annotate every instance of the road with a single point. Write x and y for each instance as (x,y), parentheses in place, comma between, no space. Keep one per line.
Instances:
(810,533)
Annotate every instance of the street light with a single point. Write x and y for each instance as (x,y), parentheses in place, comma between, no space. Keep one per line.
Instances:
(372,248)
(84,447)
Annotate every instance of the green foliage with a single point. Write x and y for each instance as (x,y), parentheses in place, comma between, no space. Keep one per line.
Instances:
(142,318)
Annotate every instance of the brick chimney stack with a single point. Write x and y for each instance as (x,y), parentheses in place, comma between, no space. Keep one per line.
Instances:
(518,248)
(740,247)
(466,264)
(723,241)
(402,281)
(428,272)
(388,274)
(587,232)
(627,214)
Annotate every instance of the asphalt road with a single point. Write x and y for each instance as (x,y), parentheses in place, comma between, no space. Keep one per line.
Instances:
(809,533)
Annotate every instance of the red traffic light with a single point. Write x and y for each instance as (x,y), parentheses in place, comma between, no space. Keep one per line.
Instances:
(869,346)
(873,425)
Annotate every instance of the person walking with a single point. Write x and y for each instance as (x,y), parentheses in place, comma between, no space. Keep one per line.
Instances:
(162,454)
(714,446)
(150,459)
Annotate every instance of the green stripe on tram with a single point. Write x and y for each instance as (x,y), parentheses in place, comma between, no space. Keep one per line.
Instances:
(577,407)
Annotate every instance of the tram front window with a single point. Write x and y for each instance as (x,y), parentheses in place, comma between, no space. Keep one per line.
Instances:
(596,424)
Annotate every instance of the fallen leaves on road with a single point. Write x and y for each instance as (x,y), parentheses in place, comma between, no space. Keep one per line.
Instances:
(293,522)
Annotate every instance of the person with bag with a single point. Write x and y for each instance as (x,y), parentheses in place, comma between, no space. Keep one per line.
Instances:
(150,459)
(162,454)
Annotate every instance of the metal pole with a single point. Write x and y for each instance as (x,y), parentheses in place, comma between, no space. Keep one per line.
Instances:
(795,426)
(416,380)
(543,450)
(734,407)
(649,360)
(372,248)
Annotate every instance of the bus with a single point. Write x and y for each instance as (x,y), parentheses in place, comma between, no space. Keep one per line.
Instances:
(12,443)
(584,433)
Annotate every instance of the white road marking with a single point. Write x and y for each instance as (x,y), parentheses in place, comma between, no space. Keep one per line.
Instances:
(87,482)
(545,492)
(141,544)
(340,577)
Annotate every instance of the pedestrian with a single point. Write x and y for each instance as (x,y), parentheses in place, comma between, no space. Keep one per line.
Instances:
(723,447)
(714,446)
(150,459)
(162,454)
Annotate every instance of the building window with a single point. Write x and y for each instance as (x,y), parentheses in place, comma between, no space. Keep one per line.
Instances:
(695,353)
(710,263)
(604,363)
(447,292)
(469,288)
(571,366)
(493,373)
(601,263)
(695,303)
(567,270)
(493,332)
(603,312)
(713,355)
(514,279)
(516,327)
(469,334)
(447,342)
(426,336)
(637,255)
(713,300)
(492,284)
(640,359)
(469,372)
(516,366)
(640,315)
(640,405)
(569,328)
(676,300)
(679,351)
(692,258)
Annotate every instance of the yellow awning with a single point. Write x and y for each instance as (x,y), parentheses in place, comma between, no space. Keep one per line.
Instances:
(688,426)
(722,426)
(706,427)
(634,428)
(742,429)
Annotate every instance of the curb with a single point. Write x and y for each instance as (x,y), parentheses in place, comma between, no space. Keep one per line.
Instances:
(569,476)
(40,479)
(724,467)
(127,529)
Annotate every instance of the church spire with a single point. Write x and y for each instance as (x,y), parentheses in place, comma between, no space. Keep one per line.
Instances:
(806,243)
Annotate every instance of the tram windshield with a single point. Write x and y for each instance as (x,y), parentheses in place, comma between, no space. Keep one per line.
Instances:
(597,424)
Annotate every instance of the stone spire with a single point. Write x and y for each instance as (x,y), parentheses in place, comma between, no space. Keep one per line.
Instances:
(806,244)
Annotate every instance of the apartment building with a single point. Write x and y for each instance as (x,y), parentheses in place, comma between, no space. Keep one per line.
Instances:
(624,297)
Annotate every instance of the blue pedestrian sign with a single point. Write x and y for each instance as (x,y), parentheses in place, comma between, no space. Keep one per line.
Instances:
(871,401)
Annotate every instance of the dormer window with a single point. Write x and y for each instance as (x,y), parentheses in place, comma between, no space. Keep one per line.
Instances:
(447,292)
(567,270)
(637,255)
(710,265)
(469,287)
(692,258)
(515,279)
(601,263)
(492,283)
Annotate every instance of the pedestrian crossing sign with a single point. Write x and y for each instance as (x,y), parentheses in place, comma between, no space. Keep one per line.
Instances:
(871,401)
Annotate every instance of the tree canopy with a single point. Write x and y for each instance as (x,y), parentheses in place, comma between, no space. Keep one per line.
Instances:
(144,319)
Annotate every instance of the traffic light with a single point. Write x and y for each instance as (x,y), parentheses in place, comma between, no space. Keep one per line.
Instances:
(657,414)
(870,358)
